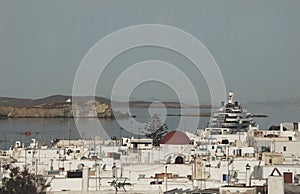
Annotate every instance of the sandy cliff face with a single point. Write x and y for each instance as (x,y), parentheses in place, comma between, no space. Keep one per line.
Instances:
(91,109)
(63,109)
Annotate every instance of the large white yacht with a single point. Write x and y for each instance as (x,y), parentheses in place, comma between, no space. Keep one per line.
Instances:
(232,116)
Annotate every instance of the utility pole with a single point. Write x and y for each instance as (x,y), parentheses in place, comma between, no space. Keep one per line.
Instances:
(120,142)
(99,169)
(96,168)
(139,133)
(131,129)
(44,132)
(227,155)
(25,158)
(201,177)
(69,126)
(5,140)
(166,177)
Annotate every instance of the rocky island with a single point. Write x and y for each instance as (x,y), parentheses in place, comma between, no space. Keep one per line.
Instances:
(91,108)
(60,106)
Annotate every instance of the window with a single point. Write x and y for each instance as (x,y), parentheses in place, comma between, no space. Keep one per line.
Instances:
(284,148)
(239,152)
(290,138)
(295,126)
(270,161)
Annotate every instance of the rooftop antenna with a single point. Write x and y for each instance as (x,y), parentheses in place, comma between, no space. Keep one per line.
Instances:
(69,126)
(131,129)
(120,141)
(69,136)
(44,132)
(5,139)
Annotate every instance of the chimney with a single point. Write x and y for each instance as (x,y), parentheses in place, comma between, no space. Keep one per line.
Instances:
(276,182)
(281,128)
(248,167)
(114,170)
(85,178)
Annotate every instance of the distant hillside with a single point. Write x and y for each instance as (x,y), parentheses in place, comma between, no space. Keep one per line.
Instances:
(6,101)
(25,102)
(289,103)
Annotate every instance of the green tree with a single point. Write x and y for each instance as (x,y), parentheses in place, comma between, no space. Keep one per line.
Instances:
(23,182)
(156,129)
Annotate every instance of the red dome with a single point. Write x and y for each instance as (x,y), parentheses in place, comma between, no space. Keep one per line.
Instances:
(176,138)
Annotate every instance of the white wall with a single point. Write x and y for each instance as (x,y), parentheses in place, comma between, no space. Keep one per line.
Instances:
(292,148)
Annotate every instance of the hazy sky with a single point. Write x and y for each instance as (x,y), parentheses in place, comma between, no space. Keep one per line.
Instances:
(255,43)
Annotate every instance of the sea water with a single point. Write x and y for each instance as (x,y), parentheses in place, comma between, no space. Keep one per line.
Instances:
(44,129)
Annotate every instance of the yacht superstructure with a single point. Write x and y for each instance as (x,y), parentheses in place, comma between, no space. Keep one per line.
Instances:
(232,116)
